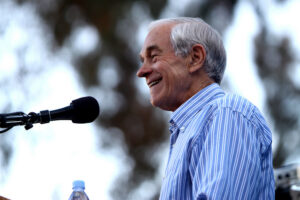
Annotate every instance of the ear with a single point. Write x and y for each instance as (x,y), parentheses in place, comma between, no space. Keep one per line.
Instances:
(197,57)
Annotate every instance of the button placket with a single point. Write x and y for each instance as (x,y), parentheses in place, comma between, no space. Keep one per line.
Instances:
(174,133)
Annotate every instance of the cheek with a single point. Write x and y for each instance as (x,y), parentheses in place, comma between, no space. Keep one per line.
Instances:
(160,65)
(179,85)
(177,76)
(174,73)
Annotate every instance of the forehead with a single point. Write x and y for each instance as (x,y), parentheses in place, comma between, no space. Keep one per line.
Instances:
(158,36)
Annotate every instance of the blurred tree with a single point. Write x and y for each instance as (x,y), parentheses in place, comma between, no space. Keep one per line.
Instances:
(143,127)
(275,59)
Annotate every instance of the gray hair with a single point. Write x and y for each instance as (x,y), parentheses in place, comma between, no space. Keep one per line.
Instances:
(190,31)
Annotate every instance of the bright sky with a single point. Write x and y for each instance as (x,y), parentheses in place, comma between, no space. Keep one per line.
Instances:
(49,157)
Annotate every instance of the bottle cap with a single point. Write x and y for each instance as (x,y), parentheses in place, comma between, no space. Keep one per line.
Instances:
(78,184)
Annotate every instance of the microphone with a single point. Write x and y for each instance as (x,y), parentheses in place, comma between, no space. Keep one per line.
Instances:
(82,110)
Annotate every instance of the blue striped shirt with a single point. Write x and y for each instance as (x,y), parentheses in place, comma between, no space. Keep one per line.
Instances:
(220,149)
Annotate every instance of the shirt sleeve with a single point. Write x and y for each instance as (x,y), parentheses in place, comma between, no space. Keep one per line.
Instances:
(225,158)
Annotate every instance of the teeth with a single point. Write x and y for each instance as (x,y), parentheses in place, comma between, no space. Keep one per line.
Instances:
(153,83)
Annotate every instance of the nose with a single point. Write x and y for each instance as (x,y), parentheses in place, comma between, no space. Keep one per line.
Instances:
(144,71)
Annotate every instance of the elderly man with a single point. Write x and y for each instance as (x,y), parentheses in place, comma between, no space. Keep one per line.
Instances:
(220,145)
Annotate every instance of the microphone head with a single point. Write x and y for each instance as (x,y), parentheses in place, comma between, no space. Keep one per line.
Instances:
(85,110)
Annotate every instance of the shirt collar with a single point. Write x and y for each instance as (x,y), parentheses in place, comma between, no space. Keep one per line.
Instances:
(194,104)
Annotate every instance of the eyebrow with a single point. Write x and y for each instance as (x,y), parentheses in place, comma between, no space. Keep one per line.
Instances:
(149,50)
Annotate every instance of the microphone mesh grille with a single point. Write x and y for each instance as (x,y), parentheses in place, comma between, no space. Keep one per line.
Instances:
(85,110)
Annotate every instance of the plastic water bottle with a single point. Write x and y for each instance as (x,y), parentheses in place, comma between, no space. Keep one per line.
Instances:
(78,191)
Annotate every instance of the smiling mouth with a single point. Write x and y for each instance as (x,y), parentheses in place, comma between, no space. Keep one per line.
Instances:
(154,82)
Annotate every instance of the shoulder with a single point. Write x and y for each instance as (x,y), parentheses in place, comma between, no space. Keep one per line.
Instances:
(241,107)
(237,104)
(233,112)
(230,103)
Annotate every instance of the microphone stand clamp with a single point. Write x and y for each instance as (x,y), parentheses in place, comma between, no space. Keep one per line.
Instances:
(10,120)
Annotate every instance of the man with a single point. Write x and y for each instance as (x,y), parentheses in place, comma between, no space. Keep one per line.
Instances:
(220,144)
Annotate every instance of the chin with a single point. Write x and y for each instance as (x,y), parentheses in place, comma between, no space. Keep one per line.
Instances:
(159,104)
(155,102)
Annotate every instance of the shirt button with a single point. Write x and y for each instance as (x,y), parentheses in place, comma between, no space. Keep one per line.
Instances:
(202,197)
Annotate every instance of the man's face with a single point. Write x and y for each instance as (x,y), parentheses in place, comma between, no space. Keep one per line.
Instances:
(166,74)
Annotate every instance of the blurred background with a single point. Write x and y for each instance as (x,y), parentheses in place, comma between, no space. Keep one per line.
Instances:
(54,51)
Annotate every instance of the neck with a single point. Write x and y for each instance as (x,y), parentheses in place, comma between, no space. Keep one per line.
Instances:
(198,84)
(201,82)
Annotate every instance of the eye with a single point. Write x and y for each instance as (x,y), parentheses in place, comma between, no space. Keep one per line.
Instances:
(154,57)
